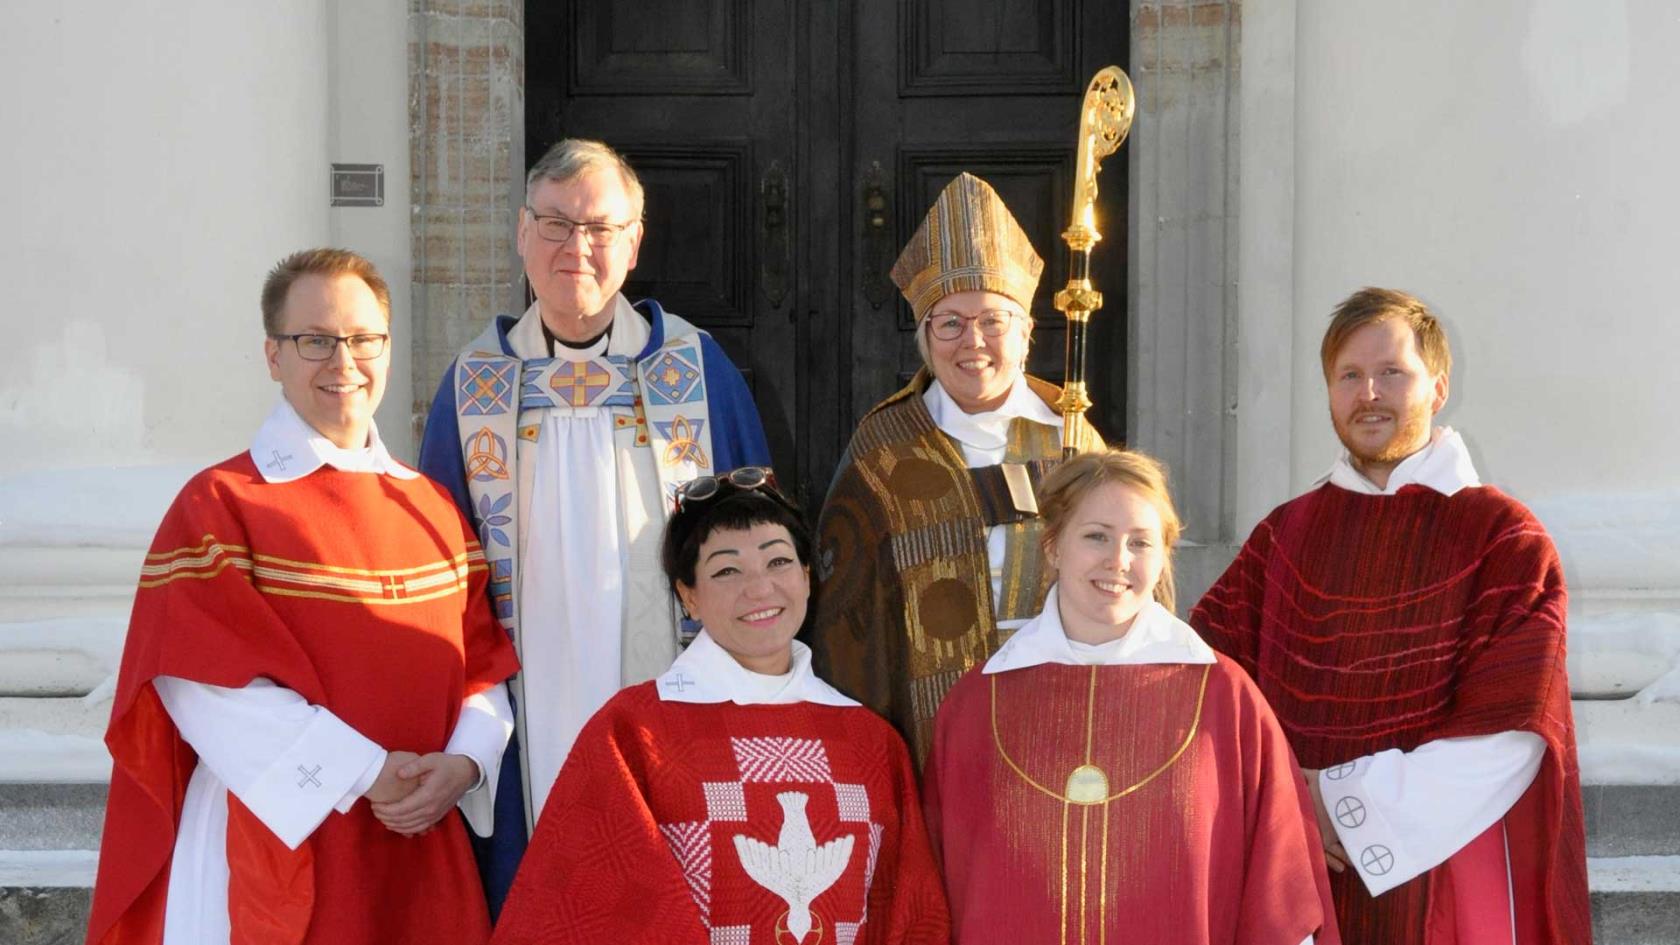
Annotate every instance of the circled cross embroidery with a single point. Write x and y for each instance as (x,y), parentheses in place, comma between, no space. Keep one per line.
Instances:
(1339,772)
(1350,812)
(1377,859)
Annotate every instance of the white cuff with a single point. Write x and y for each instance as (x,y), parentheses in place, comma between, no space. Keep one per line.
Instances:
(481,734)
(311,778)
(362,785)
(1399,813)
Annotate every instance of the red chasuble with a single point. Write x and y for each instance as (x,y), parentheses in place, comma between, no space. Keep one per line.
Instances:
(1379,622)
(720,824)
(364,594)
(1143,804)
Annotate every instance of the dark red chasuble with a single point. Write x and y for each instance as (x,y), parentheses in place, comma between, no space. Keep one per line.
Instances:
(363,593)
(1383,622)
(1152,804)
(719,824)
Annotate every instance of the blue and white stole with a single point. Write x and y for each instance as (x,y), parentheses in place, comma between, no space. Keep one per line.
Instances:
(661,393)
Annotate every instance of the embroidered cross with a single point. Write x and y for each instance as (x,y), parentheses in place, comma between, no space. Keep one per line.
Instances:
(279,460)
(309,776)
(680,681)
(1377,859)
(391,586)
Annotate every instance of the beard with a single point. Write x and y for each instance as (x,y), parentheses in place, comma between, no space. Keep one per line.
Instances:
(1411,433)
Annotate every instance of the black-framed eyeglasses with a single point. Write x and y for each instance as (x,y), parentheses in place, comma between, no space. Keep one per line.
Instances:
(558,229)
(313,347)
(949,326)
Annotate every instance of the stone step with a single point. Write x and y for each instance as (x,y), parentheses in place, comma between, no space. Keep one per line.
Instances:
(1631,820)
(1628,741)
(36,816)
(1635,899)
(69,656)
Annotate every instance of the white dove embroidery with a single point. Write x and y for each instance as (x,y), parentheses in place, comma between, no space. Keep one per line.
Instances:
(795,869)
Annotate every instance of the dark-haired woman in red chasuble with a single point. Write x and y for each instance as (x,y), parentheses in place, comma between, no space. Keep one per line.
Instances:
(737,799)
(1107,778)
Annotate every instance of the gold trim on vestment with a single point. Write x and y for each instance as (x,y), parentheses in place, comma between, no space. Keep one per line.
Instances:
(1068,803)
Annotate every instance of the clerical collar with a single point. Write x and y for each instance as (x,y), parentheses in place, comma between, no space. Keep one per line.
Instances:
(589,348)
(988,430)
(1156,637)
(706,673)
(1444,466)
(287,448)
(627,335)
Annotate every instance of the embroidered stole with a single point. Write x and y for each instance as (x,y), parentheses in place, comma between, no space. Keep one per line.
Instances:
(498,399)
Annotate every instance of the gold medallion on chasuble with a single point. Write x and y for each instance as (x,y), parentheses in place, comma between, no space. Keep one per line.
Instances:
(1090,778)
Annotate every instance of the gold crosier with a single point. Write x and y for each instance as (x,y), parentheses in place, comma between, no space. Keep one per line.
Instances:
(1104,120)
(1087,786)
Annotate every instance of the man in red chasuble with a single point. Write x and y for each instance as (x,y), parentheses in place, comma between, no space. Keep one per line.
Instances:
(312,680)
(1105,776)
(1406,623)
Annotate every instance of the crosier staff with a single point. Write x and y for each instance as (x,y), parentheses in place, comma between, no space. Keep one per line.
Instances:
(1104,120)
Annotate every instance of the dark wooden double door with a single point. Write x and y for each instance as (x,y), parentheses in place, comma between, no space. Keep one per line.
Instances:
(790,147)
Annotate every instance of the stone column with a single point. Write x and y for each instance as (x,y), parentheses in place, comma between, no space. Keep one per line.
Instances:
(467,148)
(1183,166)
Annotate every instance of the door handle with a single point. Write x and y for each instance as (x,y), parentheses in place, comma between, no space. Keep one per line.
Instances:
(773,264)
(877,237)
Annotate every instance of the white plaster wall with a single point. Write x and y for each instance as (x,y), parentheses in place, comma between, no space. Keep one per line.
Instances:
(159,158)
(1513,163)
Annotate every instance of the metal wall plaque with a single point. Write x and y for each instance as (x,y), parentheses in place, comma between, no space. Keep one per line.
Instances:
(358,185)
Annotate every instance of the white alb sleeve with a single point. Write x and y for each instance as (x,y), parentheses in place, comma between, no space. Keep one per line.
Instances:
(290,762)
(1399,813)
(481,733)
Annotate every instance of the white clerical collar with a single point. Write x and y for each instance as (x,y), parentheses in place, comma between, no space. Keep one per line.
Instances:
(988,430)
(706,673)
(1444,466)
(287,448)
(1156,636)
(628,336)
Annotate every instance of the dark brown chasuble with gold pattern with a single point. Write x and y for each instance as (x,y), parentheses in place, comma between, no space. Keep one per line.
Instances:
(905,604)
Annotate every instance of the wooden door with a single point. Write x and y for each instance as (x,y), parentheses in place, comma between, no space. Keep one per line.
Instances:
(789,149)
(698,96)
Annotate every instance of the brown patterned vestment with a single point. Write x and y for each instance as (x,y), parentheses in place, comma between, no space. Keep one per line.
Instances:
(904,603)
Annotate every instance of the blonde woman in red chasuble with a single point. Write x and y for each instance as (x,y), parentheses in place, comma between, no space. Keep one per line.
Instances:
(1106,777)
(736,798)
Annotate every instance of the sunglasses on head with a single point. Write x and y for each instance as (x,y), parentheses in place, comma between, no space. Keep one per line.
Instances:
(746,478)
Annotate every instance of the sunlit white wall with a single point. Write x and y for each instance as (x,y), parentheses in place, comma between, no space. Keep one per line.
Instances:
(1513,163)
(159,159)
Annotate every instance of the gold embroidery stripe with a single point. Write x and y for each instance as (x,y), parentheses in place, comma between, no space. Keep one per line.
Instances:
(197,575)
(196,550)
(193,563)
(365,572)
(354,599)
(382,588)
(1190,736)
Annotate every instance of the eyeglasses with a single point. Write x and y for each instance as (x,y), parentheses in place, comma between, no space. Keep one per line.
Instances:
(323,347)
(949,326)
(558,229)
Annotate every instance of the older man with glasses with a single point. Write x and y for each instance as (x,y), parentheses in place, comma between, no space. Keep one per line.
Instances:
(563,434)
(928,542)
